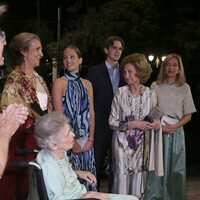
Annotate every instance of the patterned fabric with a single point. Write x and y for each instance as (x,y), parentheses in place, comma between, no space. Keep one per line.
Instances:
(76,108)
(133,151)
(76,105)
(19,89)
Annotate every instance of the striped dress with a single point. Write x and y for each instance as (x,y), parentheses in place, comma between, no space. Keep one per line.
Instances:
(76,108)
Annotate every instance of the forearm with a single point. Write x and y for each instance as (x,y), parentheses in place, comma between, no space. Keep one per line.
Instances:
(4,144)
(184,120)
(78,173)
(92,127)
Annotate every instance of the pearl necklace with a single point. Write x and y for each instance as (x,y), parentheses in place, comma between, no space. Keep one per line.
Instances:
(135,103)
(65,167)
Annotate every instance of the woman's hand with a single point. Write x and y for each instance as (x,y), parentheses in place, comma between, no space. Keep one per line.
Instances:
(76,147)
(11,118)
(98,195)
(156,124)
(169,128)
(88,145)
(144,125)
(87,176)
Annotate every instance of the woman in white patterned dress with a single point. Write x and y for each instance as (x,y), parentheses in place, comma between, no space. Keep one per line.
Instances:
(134,138)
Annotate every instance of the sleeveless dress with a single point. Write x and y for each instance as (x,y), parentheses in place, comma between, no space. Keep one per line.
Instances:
(76,108)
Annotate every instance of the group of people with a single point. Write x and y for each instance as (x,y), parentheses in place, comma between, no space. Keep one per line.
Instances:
(106,114)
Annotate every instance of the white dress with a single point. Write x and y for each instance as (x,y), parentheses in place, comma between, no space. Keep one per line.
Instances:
(131,155)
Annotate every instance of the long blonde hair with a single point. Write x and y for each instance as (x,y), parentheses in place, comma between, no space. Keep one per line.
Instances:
(180,77)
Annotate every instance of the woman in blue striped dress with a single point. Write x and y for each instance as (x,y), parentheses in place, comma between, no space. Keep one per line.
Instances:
(73,96)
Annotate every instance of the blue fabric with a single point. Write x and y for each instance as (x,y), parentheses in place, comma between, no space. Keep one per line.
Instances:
(114,76)
(76,105)
(76,108)
(165,188)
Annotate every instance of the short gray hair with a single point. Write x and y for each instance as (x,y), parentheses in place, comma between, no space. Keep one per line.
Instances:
(47,127)
(141,65)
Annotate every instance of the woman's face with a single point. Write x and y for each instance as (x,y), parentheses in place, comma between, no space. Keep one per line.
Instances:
(130,74)
(34,54)
(172,68)
(65,138)
(71,60)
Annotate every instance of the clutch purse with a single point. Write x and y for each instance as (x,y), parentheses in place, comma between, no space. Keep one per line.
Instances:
(168,119)
(155,113)
(82,141)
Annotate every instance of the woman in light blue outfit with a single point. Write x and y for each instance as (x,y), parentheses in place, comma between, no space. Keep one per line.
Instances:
(54,136)
(73,96)
(175,100)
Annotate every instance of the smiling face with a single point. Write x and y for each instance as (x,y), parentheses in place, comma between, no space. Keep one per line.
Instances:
(71,60)
(130,74)
(172,68)
(34,53)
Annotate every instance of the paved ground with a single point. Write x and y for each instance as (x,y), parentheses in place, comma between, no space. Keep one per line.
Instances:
(193,188)
(193,183)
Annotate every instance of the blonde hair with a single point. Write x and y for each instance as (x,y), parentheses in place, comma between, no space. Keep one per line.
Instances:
(180,77)
(142,67)
(21,42)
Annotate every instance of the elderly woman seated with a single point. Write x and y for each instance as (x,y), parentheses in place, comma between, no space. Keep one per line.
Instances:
(54,136)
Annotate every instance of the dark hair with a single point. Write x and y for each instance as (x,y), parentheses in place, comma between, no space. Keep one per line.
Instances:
(76,49)
(142,67)
(21,42)
(110,41)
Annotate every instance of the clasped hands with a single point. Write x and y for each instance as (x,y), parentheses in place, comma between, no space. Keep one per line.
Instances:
(144,125)
(169,128)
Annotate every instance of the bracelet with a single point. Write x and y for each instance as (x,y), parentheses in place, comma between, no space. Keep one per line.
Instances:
(124,127)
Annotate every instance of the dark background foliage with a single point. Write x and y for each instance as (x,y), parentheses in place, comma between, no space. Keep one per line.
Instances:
(154,27)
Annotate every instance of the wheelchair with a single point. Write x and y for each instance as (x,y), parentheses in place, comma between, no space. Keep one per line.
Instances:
(37,187)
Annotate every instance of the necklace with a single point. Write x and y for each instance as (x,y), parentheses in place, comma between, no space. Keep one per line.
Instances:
(135,103)
(68,175)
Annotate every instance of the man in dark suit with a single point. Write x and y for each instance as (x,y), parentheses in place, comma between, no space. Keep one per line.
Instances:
(105,79)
